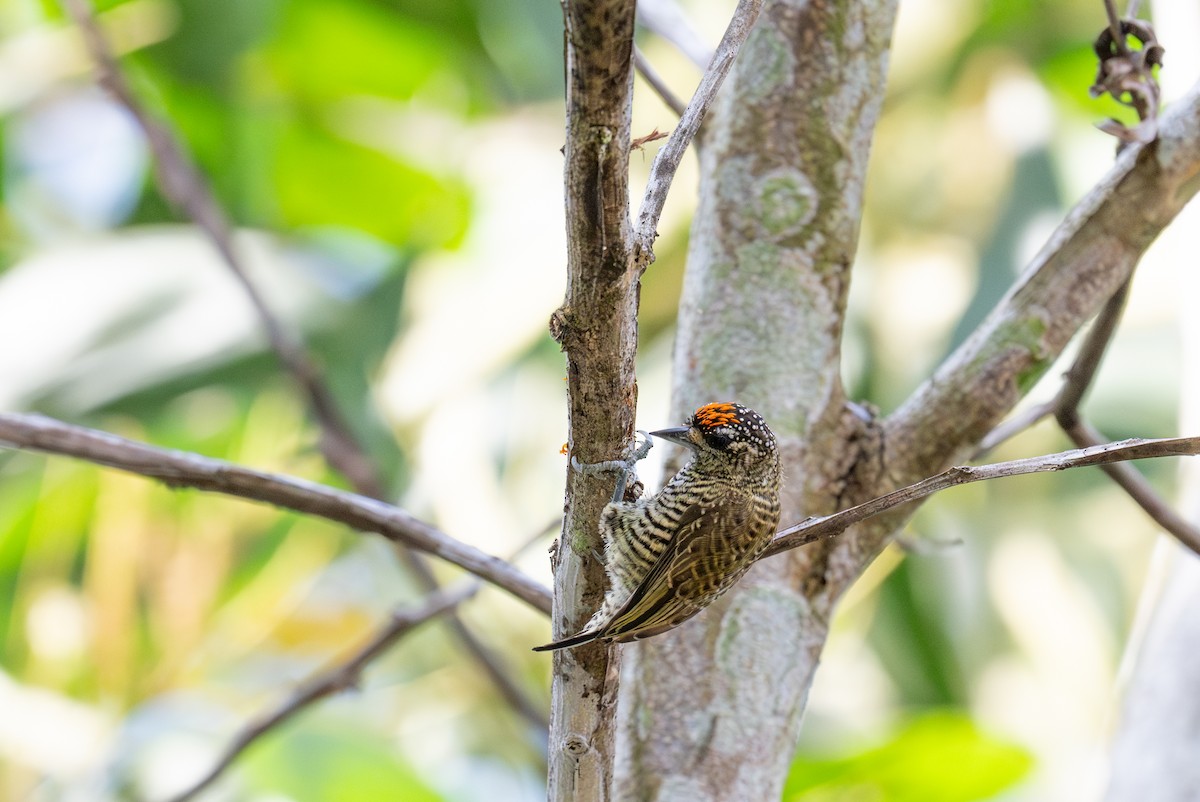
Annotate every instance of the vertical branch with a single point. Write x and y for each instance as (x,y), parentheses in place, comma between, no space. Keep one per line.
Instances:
(597,328)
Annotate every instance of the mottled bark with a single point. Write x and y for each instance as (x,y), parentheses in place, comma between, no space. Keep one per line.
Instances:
(711,710)
(597,328)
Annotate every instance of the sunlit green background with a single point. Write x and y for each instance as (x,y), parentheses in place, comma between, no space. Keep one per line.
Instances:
(394,170)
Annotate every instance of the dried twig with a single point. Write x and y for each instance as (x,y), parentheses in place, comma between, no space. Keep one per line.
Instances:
(182,469)
(643,65)
(1141,491)
(639,142)
(186,186)
(666,162)
(1013,426)
(828,526)
(339,677)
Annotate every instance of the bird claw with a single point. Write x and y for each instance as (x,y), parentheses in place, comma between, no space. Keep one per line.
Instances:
(594,468)
(624,467)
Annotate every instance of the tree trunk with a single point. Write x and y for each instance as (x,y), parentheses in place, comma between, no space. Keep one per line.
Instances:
(711,710)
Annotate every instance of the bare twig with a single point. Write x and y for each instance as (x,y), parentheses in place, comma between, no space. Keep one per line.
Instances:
(339,677)
(1083,370)
(1127,75)
(185,185)
(666,162)
(1013,426)
(666,19)
(1141,491)
(182,469)
(1083,434)
(1114,26)
(643,65)
(828,526)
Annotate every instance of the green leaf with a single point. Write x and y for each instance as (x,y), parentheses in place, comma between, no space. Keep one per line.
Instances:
(940,757)
(324,181)
(328,51)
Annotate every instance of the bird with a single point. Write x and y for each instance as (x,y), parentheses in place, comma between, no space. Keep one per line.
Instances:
(669,556)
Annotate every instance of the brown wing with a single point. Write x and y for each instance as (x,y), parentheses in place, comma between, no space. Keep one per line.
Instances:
(703,557)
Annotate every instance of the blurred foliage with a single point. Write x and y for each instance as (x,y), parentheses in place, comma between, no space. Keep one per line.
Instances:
(939,757)
(341,764)
(394,165)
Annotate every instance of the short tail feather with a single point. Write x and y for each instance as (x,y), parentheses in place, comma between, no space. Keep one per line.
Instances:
(587,636)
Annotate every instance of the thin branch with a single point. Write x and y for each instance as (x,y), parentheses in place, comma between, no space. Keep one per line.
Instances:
(597,329)
(1083,370)
(1114,26)
(828,526)
(657,83)
(346,674)
(666,162)
(1083,434)
(1013,426)
(666,19)
(1140,490)
(182,469)
(339,677)
(185,185)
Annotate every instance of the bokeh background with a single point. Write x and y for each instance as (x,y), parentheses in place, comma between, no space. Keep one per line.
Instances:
(394,171)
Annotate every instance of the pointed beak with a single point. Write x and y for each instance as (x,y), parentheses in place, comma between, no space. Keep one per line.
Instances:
(678,434)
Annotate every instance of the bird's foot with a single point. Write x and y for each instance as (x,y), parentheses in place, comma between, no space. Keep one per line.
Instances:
(623,467)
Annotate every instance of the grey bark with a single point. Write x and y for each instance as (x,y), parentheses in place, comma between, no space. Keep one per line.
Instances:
(711,710)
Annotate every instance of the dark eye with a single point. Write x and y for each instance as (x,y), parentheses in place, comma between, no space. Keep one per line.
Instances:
(717,440)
